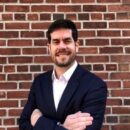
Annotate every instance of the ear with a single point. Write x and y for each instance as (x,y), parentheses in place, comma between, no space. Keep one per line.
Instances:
(49,47)
(77,45)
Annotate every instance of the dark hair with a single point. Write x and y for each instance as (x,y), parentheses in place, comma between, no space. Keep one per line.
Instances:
(62,23)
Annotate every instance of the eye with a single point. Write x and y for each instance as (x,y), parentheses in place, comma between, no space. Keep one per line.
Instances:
(55,42)
(67,41)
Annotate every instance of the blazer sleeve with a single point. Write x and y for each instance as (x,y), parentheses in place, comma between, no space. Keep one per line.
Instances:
(43,122)
(24,121)
(95,103)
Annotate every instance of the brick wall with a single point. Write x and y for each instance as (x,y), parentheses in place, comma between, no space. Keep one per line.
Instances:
(104,32)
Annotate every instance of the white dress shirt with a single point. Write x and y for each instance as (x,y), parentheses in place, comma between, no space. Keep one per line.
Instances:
(60,84)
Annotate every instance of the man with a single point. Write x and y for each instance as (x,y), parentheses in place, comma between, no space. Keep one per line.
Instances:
(67,97)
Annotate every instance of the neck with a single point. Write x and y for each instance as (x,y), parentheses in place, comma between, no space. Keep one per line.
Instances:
(61,70)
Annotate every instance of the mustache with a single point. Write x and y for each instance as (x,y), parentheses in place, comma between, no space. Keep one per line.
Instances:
(63,52)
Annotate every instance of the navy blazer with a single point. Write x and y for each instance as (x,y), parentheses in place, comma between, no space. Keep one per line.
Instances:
(84,92)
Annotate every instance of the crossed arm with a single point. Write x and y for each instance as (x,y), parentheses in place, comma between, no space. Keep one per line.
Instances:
(77,121)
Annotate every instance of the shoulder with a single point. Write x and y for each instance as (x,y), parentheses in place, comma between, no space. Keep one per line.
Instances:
(90,77)
(43,76)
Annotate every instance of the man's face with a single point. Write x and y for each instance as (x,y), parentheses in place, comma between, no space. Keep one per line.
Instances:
(62,47)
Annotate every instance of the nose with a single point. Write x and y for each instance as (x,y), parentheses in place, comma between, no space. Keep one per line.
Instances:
(62,44)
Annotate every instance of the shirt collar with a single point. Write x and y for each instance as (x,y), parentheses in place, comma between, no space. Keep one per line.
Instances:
(66,76)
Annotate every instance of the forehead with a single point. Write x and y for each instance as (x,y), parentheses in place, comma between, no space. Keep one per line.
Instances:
(61,33)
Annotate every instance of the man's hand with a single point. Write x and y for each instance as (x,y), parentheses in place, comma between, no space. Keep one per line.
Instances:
(36,114)
(78,121)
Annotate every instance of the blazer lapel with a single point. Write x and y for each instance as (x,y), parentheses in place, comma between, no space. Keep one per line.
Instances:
(49,95)
(69,91)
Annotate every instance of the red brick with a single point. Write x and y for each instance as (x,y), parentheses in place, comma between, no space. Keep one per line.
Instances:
(126,84)
(97,42)
(112,119)
(119,42)
(35,68)
(111,67)
(2,77)
(8,85)
(120,58)
(98,67)
(121,127)
(25,85)
(17,94)
(7,17)
(45,17)
(9,51)
(86,33)
(120,93)
(83,1)
(111,50)
(126,33)
(120,75)
(126,1)
(83,16)
(2,94)
(20,17)
(123,67)
(124,119)
(2,60)
(94,25)
(121,110)
(42,59)
(108,1)
(14,112)
(16,8)
(94,8)
(2,42)
(32,16)
(8,34)
(17,25)
(126,101)
(108,33)
(19,42)
(71,16)
(47,67)
(31,1)
(9,103)
(9,121)
(40,25)
(13,128)
(57,1)
(96,16)
(95,59)
(34,51)
(118,8)
(69,8)
(20,59)
(40,42)
(8,1)
(121,25)
(1,8)
(22,68)
(16,77)
(113,102)
(2,112)
(113,84)
(105,127)
(85,50)
(127,49)
(43,8)
(122,15)
(109,16)
(30,34)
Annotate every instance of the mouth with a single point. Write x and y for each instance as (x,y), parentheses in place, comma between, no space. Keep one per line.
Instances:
(63,53)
